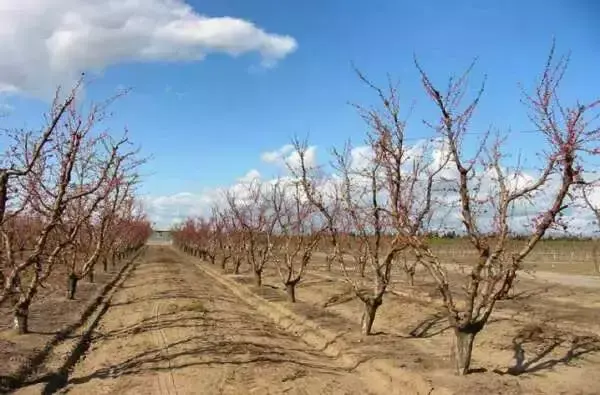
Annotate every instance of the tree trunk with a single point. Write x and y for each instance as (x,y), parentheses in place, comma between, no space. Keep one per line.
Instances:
(328,261)
(362,269)
(21,316)
(463,349)
(236,266)
(3,193)
(258,277)
(72,286)
(508,284)
(290,288)
(410,276)
(368,317)
(90,275)
(223,264)
(104,264)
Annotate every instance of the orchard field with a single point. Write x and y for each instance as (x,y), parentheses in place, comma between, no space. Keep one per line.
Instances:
(339,279)
(179,324)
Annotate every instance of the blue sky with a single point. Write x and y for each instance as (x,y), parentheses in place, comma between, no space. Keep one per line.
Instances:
(207,122)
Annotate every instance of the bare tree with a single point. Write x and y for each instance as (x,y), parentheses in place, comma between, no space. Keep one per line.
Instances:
(358,196)
(58,173)
(232,241)
(92,240)
(568,135)
(585,193)
(257,220)
(298,231)
(409,266)
(28,149)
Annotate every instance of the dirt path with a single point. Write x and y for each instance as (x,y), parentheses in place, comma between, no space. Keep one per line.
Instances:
(171,330)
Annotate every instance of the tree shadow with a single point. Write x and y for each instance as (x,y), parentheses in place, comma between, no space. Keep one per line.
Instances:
(526,294)
(190,352)
(34,362)
(424,328)
(535,349)
(437,324)
(339,299)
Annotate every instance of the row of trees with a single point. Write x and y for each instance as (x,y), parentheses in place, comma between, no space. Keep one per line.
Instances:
(395,199)
(67,198)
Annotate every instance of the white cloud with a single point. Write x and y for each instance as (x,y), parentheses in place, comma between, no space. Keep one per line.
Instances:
(170,209)
(361,157)
(46,43)
(167,210)
(277,155)
(252,175)
(287,157)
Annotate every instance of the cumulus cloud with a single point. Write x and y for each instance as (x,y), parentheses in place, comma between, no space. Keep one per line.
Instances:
(46,43)
(167,210)
(277,155)
(252,175)
(287,157)
(361,157)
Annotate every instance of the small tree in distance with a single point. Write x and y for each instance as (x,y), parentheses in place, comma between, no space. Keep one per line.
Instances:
(254,215)
(298,234)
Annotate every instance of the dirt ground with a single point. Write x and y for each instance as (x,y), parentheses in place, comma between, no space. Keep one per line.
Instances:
(546,341)
(172,330)
(50,312)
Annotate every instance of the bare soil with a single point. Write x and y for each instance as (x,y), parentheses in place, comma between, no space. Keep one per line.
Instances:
(50,313)
(172,330)
(544,341)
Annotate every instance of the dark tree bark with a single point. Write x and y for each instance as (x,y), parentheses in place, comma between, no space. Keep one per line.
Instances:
(72,286)
(258,277)
(290,289)
(21,316)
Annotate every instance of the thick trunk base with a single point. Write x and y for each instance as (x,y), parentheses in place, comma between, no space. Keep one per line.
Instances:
(21,320)
(290,289)
(368,317)
(72,286)
(463,350)
(90,276)
(258,278)
(410,277)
